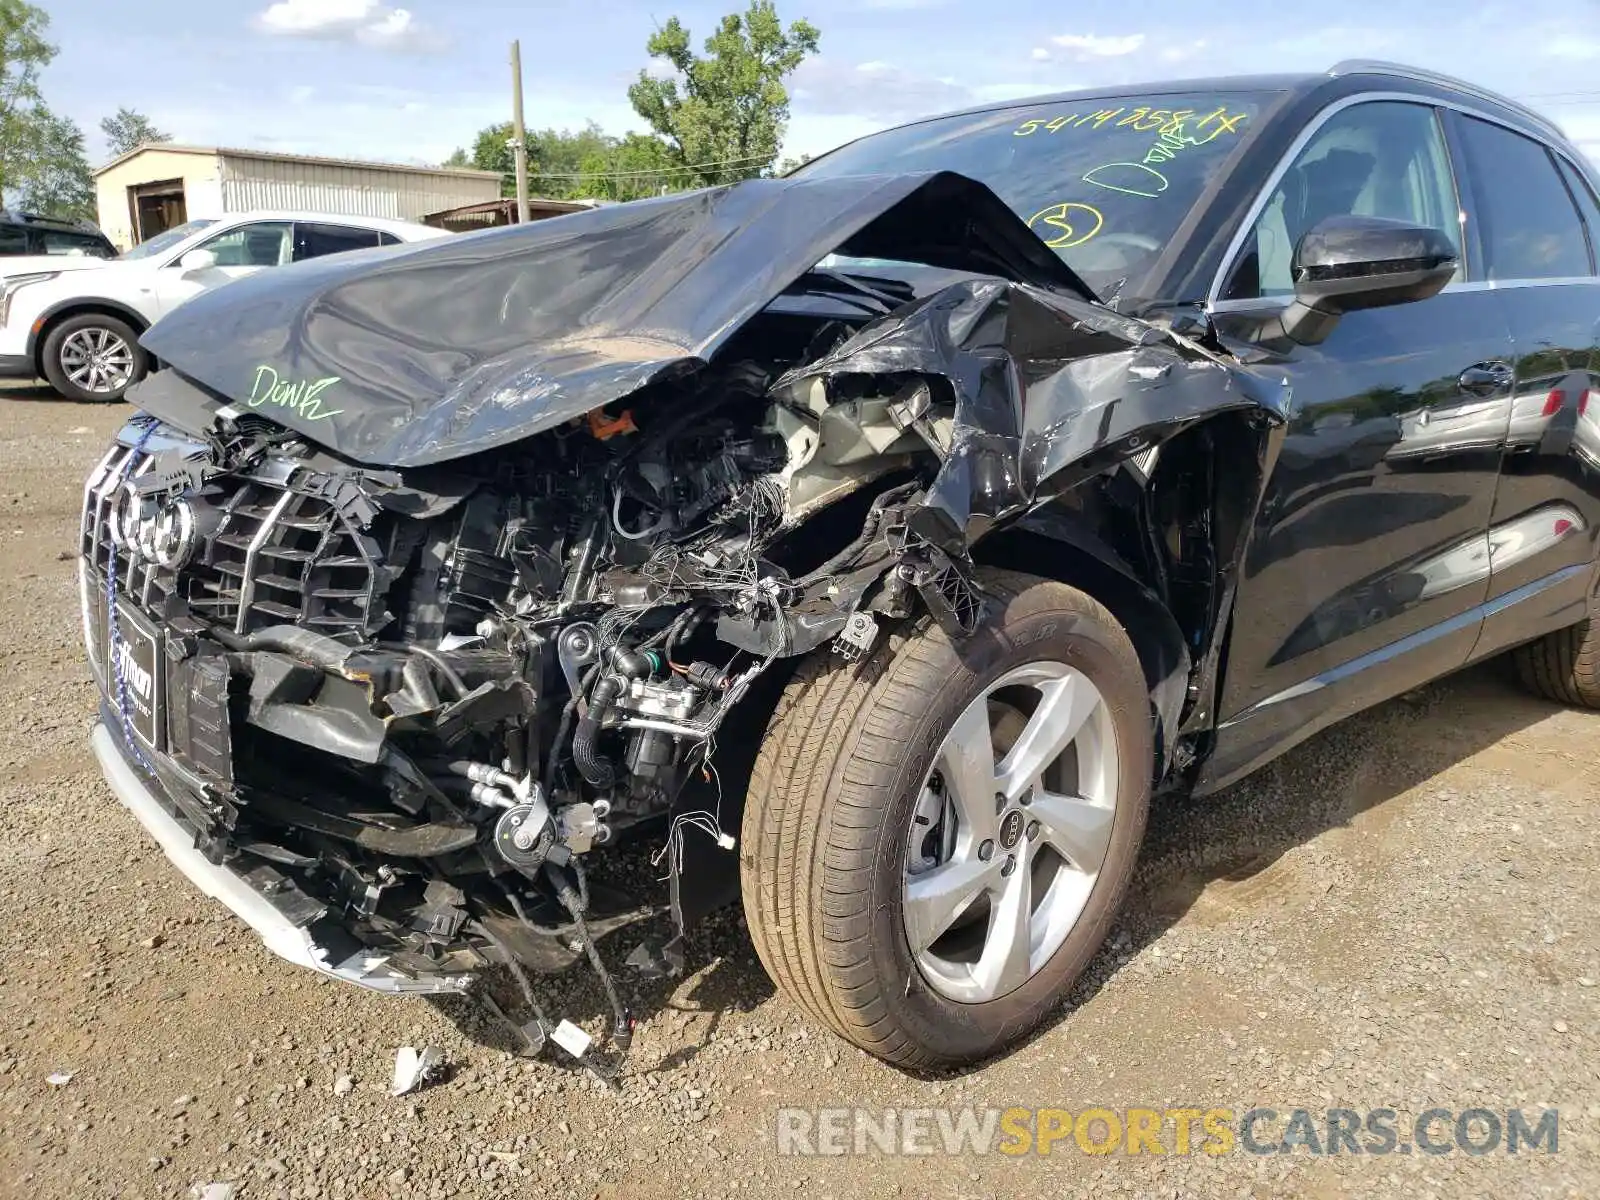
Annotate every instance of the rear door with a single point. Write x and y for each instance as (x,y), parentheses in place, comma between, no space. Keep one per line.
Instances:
(314,239)
(1526,208)
(1368,565)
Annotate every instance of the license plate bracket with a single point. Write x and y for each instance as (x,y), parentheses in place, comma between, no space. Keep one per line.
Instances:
(136,677)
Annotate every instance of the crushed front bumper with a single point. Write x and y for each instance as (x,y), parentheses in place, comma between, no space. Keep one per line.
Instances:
(296,943)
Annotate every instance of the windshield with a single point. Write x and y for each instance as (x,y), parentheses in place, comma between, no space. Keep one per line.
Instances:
(1105,181)
(165,241)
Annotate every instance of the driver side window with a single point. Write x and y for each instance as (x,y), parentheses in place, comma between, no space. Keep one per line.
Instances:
(262,244)
(1381,159)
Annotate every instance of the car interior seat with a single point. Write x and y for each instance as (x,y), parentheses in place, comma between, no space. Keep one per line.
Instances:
(265,248)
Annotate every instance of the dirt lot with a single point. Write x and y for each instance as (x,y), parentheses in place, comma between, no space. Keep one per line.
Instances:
(1401,914)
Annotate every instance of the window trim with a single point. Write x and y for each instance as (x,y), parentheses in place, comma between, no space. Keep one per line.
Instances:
(1214,301)
(375,234)
(1591,235)
(212,235)
(1554,158)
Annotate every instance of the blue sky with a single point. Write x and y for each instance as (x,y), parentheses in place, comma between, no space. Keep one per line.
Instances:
(411,80)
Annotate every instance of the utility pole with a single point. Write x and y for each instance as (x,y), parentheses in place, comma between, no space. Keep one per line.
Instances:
(519,144)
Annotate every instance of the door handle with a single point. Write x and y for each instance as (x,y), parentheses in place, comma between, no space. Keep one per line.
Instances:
(1487,379)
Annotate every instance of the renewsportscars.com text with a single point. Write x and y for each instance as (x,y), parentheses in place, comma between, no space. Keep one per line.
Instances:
(1212,1131)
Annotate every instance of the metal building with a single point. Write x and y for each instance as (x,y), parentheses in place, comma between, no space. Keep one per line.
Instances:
(157,186)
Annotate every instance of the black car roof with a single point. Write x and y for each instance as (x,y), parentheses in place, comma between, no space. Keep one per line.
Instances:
(1405,78)
(34,220)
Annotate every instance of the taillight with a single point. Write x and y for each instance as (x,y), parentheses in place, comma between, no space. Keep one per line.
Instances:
(1553,402)
(1583,402)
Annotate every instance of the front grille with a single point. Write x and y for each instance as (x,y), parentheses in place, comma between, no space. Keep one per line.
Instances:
(271,550)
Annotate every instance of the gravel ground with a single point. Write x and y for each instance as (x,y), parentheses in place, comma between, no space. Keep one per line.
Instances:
(1401,913)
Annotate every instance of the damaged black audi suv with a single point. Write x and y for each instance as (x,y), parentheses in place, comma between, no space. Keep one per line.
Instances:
(870,543)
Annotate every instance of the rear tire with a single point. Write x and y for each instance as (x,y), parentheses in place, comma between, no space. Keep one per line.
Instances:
(835,888)
(1563,666)
(93,358)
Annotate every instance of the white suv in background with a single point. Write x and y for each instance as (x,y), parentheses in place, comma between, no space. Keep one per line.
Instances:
(79,327)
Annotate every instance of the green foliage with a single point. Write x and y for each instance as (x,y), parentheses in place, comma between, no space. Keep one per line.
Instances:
(52,176)
(492,152)
(718,118)
(573,164)
(23,53)
(43,166)
(722,116)
(130,129)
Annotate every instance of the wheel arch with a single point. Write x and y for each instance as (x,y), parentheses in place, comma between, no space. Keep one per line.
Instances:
(1074,556)
(77,307)
(1160,540)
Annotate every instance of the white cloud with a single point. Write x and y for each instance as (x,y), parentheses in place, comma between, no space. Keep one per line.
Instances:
(1574,49)
(1040,54)
(1174,54)
(1089,45)
(368,22)
(878,91)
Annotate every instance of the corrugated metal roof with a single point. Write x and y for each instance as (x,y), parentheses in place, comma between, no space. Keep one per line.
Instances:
(276,156)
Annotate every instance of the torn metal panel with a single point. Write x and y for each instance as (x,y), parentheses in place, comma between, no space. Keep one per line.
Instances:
(447,348)
(1042,390)
(522,522)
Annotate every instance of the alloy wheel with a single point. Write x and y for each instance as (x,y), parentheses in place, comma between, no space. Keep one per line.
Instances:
(1010,831)
(97,360)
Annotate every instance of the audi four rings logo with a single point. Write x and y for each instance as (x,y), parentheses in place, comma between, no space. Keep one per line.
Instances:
(160,533)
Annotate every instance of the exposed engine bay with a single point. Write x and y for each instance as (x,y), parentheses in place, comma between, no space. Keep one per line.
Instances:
(409,703)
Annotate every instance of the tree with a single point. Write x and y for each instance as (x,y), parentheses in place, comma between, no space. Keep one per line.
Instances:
(640,168)
(492,152)
(52,177)
(458,158)
(722,116)
(23,53)
(130,129)
(43,167)
(577,164)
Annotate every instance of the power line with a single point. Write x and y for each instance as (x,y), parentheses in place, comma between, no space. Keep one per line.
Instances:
(1563,97)
(727,162)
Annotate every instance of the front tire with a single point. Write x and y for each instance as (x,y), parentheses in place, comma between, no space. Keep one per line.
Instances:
(937,838)
(93,358)
(1563,666)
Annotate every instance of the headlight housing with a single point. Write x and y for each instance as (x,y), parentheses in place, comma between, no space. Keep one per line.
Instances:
(14,283)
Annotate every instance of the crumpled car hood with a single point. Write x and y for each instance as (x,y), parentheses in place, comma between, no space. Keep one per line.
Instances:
(430,352)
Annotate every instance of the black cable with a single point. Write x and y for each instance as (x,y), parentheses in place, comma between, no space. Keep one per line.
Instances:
(509,959)
(621,1022)
(563,727)
(586,755)
(681,629)
(869,530)
(582,877)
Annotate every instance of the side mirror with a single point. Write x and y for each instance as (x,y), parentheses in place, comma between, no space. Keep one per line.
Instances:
(1346,263)
(196,261)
